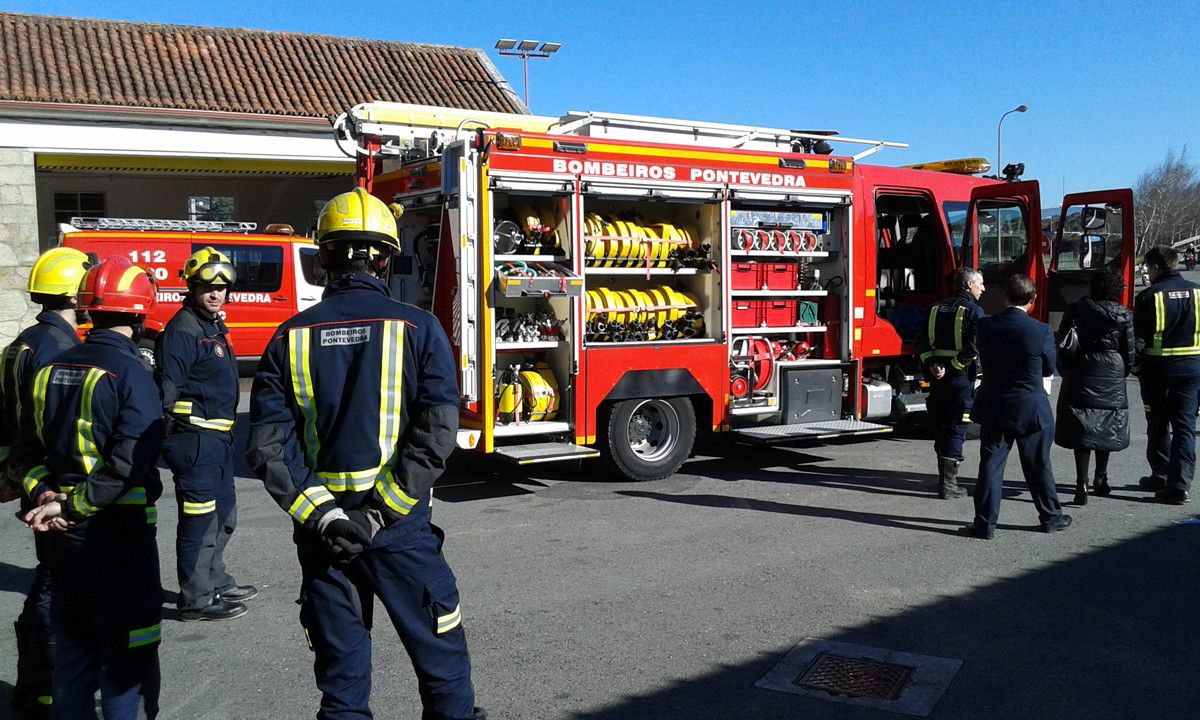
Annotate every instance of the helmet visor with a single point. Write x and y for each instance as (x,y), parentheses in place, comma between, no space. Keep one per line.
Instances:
(215,273)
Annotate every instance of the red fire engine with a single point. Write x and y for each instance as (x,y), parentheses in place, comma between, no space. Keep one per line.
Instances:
(612,283)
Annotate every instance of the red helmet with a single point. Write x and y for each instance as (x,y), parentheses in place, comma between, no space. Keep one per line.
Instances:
(117,285)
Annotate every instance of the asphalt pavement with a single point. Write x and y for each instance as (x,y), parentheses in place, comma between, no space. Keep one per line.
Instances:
(590,599)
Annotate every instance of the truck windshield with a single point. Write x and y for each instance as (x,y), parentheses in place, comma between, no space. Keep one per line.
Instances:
(259,268)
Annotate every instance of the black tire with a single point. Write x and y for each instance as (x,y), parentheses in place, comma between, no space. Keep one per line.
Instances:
(146,350)
(649,439)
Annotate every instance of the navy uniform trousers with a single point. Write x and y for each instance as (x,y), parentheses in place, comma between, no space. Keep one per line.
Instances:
(202,463)
(106,615)
(1034,452)
(949,406)
(404,567)
(35,638)
(1171,402)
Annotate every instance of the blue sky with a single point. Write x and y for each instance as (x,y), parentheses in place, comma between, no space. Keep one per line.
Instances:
(1110,86)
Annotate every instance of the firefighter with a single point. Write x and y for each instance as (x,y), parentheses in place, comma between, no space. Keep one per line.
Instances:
(1166,326)
(53,283)
(196,368)
(87,457)
(354,410)
(949,359)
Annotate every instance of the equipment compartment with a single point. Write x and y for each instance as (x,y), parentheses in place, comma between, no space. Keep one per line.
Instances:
(788,305)
(649,270)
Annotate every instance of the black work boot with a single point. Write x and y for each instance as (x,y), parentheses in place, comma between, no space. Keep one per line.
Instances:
(948,488)
(1100,485)
(35,665)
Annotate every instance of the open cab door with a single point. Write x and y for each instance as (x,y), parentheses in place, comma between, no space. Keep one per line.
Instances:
(1094,233)
(1003,236)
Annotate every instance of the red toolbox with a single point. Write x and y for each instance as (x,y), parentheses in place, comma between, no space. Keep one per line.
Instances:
(746,276)
(780,276)
(746,313)
(779,313)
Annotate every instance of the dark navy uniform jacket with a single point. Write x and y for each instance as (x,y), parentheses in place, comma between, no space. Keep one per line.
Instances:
(949,337)
(95,430)
(33,349)
(1166,325)
(197,371)
(355,405)
(1016,352)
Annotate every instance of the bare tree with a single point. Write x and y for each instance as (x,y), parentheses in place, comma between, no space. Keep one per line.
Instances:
(1168,202)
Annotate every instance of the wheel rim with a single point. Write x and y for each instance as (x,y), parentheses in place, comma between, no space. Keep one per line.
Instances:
(653,430)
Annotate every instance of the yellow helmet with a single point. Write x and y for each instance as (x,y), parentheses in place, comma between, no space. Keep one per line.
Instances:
(58,271)
(358,215)
(209,266)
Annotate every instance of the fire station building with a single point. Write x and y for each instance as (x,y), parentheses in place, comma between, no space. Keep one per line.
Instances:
(133,120)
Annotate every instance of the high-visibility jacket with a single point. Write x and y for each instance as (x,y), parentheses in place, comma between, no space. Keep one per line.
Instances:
(948,337)
(94,431)
(354,405)
(196,368)
(1166,322)
(33,349)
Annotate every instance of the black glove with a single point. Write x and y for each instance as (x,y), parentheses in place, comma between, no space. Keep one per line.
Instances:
(346,539)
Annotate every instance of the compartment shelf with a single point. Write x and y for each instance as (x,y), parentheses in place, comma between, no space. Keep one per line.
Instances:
(520,346)
(634,343)
(531,428)
(779,254)
(778,330)
(529,258)
(779,293)
(593,270)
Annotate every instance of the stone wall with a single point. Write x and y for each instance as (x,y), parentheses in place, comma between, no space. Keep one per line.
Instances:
(18,240)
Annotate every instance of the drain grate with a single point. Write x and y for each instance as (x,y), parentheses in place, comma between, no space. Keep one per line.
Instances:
(854,677)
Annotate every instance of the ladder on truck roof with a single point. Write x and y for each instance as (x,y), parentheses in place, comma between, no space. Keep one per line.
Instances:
(709,134)
(402,126)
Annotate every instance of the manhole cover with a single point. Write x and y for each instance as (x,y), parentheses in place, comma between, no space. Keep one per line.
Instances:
(855,677)
(842,672)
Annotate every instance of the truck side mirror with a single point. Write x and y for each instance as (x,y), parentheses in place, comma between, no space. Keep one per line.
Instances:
(1093,218)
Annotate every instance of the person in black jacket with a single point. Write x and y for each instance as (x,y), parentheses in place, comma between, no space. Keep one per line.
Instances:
(1093,410)
(1013,406)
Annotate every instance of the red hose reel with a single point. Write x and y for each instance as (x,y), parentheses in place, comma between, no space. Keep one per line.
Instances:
(753,362)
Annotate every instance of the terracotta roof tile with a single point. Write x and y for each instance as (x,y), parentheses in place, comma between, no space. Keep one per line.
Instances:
(106,62)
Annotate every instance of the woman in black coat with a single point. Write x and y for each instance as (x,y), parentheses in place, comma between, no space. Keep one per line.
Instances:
(1093,410)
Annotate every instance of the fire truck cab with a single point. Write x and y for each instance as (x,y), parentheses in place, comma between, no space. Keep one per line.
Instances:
(277,272)
(611,284)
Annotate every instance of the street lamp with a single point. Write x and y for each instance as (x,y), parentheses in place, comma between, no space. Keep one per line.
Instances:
(1020,109)
(526,49)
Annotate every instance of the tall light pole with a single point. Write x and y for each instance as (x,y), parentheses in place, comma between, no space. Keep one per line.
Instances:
(1020,109)
(525,50)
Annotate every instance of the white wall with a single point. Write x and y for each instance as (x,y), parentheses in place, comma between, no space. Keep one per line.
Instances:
(260,199)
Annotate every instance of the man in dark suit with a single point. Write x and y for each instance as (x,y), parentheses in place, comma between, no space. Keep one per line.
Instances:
(1016,354)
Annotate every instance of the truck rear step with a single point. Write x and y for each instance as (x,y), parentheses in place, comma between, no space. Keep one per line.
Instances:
(810,431)
(545,452)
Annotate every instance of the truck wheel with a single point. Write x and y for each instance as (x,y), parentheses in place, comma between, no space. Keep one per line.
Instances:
(649,439)
(146,350)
